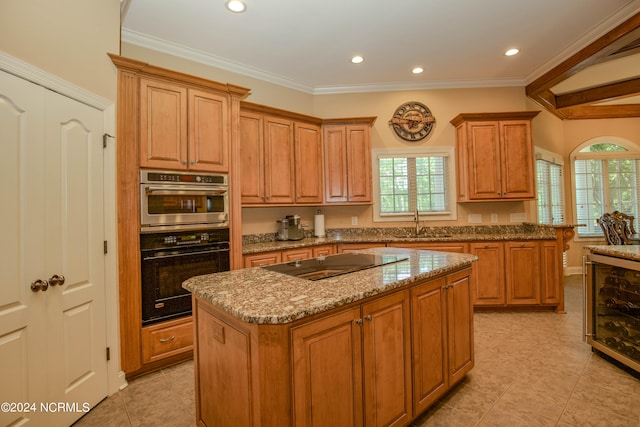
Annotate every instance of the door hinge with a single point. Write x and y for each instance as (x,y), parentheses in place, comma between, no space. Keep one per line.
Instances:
(104,139)
(108,353)
(105,247)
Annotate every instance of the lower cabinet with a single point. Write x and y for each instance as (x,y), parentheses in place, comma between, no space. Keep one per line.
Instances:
(361,352)
(378,363)
(442,331)
(517,273)
(167,339)
(275,257)
(355,247)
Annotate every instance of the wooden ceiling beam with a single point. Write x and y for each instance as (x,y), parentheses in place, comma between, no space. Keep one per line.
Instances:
(621,41)
(600,93)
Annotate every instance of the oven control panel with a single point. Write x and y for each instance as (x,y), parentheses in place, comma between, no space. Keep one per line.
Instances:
(149,177)
(183,238)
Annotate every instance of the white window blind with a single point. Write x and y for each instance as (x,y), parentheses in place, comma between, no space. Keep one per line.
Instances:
(550,192)
(607,179)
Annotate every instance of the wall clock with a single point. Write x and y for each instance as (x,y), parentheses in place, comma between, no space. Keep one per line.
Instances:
(412,121)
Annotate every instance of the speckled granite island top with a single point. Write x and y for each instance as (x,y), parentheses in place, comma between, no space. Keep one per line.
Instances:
(631,252)
(257,295)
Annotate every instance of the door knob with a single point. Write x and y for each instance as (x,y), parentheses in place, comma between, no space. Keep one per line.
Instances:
(39,285)
(56,280)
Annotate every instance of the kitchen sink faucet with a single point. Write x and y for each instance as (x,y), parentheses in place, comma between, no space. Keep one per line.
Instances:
(416,218)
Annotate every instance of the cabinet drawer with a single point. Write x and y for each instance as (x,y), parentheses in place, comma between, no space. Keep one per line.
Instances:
(264,258)
(166,339)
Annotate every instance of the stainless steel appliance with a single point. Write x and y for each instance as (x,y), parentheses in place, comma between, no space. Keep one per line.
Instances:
(295,231)
(333,265)
(612,295)
(168,259)
(172,200)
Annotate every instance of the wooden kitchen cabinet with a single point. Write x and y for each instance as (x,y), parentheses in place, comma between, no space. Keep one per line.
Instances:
(182,128)
(262,258)
(347,163)
(488,280)
(298,253)
(167,339)
(442,331)
(522,263)
(323,250)
(495,157)
(355,247)
(366,351)
(456,247)
(280,157)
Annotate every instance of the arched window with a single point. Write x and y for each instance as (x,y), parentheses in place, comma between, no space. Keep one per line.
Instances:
(606,178)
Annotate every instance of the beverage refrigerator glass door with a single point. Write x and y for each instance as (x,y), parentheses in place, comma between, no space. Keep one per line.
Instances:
(613,308)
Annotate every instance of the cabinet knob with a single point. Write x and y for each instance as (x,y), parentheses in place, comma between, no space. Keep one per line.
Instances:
(359,322)
(368,317)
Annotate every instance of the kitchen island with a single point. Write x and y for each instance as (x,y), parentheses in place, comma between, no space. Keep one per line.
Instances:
(373,347)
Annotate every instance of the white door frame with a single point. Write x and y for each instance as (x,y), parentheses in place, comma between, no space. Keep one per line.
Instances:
(28,72)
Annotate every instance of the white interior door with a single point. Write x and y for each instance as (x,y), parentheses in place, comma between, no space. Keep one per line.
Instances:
(76,329)
(53,340)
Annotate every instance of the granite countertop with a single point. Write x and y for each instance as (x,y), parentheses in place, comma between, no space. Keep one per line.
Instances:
(526,231)
(257,295)
(631,252)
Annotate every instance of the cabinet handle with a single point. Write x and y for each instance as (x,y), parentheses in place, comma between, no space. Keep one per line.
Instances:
(522,245)
(184,162)
(164,340)
(368,317)
(359,322)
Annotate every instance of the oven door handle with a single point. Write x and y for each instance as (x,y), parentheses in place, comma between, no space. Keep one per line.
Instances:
(150,258)
(196,191)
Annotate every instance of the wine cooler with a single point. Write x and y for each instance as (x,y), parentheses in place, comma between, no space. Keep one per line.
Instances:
(612,297)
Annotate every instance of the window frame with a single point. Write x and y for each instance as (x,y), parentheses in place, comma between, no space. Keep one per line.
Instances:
(450,183)
(632,153)
(554,159)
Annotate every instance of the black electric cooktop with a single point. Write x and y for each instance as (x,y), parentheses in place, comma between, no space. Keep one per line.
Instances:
(333,265)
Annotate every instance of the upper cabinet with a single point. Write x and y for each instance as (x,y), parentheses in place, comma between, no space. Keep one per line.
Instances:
(280,157)
(182,128)
(347,161)
(495,157)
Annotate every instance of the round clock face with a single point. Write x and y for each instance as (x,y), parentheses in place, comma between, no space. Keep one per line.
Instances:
(412,121)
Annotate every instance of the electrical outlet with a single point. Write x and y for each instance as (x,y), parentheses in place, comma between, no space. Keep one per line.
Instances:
(494,217)
(354,220)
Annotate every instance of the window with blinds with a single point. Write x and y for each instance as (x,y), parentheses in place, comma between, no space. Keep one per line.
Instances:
(406,181)
(550,192)
(606,179)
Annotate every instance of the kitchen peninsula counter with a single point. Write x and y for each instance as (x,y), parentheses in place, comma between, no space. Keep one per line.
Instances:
(381,344)
(630,252)
(527,231)
(256,295)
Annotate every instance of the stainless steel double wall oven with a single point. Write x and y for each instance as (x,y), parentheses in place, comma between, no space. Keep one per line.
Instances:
(184,233)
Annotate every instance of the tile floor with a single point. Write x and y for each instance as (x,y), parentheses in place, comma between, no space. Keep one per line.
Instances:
(532,369)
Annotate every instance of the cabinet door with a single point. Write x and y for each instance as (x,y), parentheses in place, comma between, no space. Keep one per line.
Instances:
(224,386)
(522,262)
(550,272)
(163,125)
(279,160)
(327,371)
(358,164)
(251,158)
(355,247)
(459,325)
(208,140)
(518,180)
(265,258)
(488,273)
(428,329)
(387,361)
(308,156)
(294,254)
(323,250)
(460,248)
(483,159)
(335,164)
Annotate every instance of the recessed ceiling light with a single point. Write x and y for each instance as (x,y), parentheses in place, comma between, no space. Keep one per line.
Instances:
(357,59)
(417,70)
(235,6)
(512,52)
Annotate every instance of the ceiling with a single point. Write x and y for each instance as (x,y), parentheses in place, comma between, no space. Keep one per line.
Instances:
(575,55)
